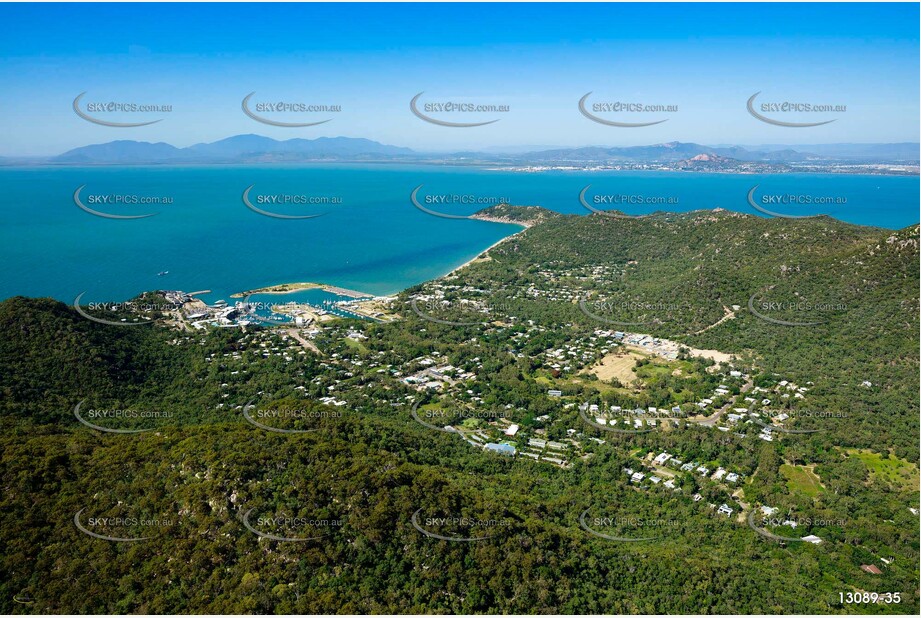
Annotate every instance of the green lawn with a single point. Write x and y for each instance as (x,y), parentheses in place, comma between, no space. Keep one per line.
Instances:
(801,479)
(896,472)
(602,387)
(653,370)
(356,344)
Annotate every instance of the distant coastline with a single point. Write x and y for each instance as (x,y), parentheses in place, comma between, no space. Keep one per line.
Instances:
(877,158)
(868,169)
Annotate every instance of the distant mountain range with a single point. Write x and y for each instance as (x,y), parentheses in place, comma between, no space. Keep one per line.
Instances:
(259,149)
(236,149)
(894,152)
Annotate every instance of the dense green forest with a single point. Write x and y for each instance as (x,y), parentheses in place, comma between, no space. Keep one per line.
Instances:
(351,481)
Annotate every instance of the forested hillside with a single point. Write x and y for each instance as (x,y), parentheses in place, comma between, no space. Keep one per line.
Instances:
(345,502)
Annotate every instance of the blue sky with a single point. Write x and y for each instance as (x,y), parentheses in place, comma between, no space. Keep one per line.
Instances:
(539,59)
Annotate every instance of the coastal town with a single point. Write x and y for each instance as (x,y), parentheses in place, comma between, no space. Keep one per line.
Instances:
(461,309)
(443,394)
(735,405)
(551,375)
(722,165)
(187,311)
(593,387)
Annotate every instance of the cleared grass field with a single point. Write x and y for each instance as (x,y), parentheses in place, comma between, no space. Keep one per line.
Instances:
(896,472)
(801,479)
(355,344)
(616,365)
(659,369)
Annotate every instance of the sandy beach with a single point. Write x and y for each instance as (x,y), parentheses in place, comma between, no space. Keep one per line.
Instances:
(290,288)
(483,253)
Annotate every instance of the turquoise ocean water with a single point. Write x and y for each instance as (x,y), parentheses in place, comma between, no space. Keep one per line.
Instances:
(374,241)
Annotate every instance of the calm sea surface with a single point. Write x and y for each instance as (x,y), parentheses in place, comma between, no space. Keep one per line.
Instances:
(370,238)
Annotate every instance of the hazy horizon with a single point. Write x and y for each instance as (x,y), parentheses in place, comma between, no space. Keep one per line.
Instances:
(510,149)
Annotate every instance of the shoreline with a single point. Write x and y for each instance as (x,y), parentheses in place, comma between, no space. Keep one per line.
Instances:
(482,253)
(290,288)
(488,166)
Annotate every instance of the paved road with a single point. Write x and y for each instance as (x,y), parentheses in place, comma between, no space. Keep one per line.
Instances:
(304,342)
(766,534)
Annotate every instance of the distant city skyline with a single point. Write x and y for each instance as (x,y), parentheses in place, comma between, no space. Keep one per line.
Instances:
(706,60)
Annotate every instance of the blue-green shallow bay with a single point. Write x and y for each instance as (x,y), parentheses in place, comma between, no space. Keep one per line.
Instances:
(375,241)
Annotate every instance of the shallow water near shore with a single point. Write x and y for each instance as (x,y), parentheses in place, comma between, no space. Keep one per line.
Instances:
(369,236)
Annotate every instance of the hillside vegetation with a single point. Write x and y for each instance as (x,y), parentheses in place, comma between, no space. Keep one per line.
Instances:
(357,483)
